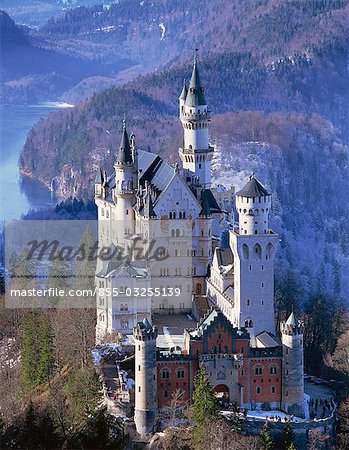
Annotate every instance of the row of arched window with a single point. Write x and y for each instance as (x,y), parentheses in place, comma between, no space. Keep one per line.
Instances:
(165,373)
(257,251)
(165,271)
(260,199)
(181,215)
(198,158)
(258,370)
(254,212)
(123,185)
(195,126)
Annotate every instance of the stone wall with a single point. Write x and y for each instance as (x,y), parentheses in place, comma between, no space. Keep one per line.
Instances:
(302,430)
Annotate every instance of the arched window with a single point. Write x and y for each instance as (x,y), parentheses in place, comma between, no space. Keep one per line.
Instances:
(269,251)
(257,251)
(180,373)
(258,370)
(165,374)
(245,251)
(273,370)
(248,323)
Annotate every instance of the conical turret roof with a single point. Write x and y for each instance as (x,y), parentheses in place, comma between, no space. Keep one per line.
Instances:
(146,323)
(99,177)
(291,320)
(196,93)
(253,189)
(184,92)
(124,154)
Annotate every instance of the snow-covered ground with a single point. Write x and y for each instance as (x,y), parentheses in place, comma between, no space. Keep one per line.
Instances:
(163,30)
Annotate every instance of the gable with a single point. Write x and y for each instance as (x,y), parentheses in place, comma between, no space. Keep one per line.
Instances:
(177,197)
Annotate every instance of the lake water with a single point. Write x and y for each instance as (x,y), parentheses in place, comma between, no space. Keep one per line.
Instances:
(19,193)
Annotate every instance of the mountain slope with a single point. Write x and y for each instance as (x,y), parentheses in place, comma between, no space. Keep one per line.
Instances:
(32,74)
(166,30)
(279,106)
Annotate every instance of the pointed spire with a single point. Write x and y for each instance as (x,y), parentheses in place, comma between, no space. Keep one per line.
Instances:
(291,320)
(253,188)
(147,324)
(184,92)
(148,206)
(196,95)
(195,81)
(99,177)
(105,179)
(124,155)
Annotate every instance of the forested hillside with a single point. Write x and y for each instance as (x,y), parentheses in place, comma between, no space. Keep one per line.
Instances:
(150,34)
(292,128)
(266,28)
(35,13)
(30,74)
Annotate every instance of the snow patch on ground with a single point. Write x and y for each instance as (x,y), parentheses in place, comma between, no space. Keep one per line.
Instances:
(163,30)
(106,29)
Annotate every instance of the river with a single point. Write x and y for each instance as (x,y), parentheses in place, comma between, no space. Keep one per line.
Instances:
(19,193)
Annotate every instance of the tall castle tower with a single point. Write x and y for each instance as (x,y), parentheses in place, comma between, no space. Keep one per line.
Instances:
(145,379)
(254,247)
(125,178)
(293,366)
(196,154)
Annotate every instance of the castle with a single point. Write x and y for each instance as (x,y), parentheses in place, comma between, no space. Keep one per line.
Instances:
(146,201)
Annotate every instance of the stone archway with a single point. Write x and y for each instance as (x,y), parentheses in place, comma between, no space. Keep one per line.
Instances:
(222,392)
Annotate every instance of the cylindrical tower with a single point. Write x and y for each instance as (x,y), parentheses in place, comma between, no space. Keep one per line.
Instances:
(253,205)
(196,154)
(145,379)
(125,188)
(292,332)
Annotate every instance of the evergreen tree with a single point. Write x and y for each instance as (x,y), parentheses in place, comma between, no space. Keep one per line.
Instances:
(288,436)
(46,361)
(85,268)
(336,274)
(30,351)
(292,447)
(205,405)
(29,435)
(58,276)
(266,439)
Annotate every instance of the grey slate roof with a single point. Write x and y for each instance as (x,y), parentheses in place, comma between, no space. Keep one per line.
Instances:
(196,92)
(253,189)
(124,154)
(267,340)
(184,92)
(209,203)
(154,170)
(224,256)
(99,177)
